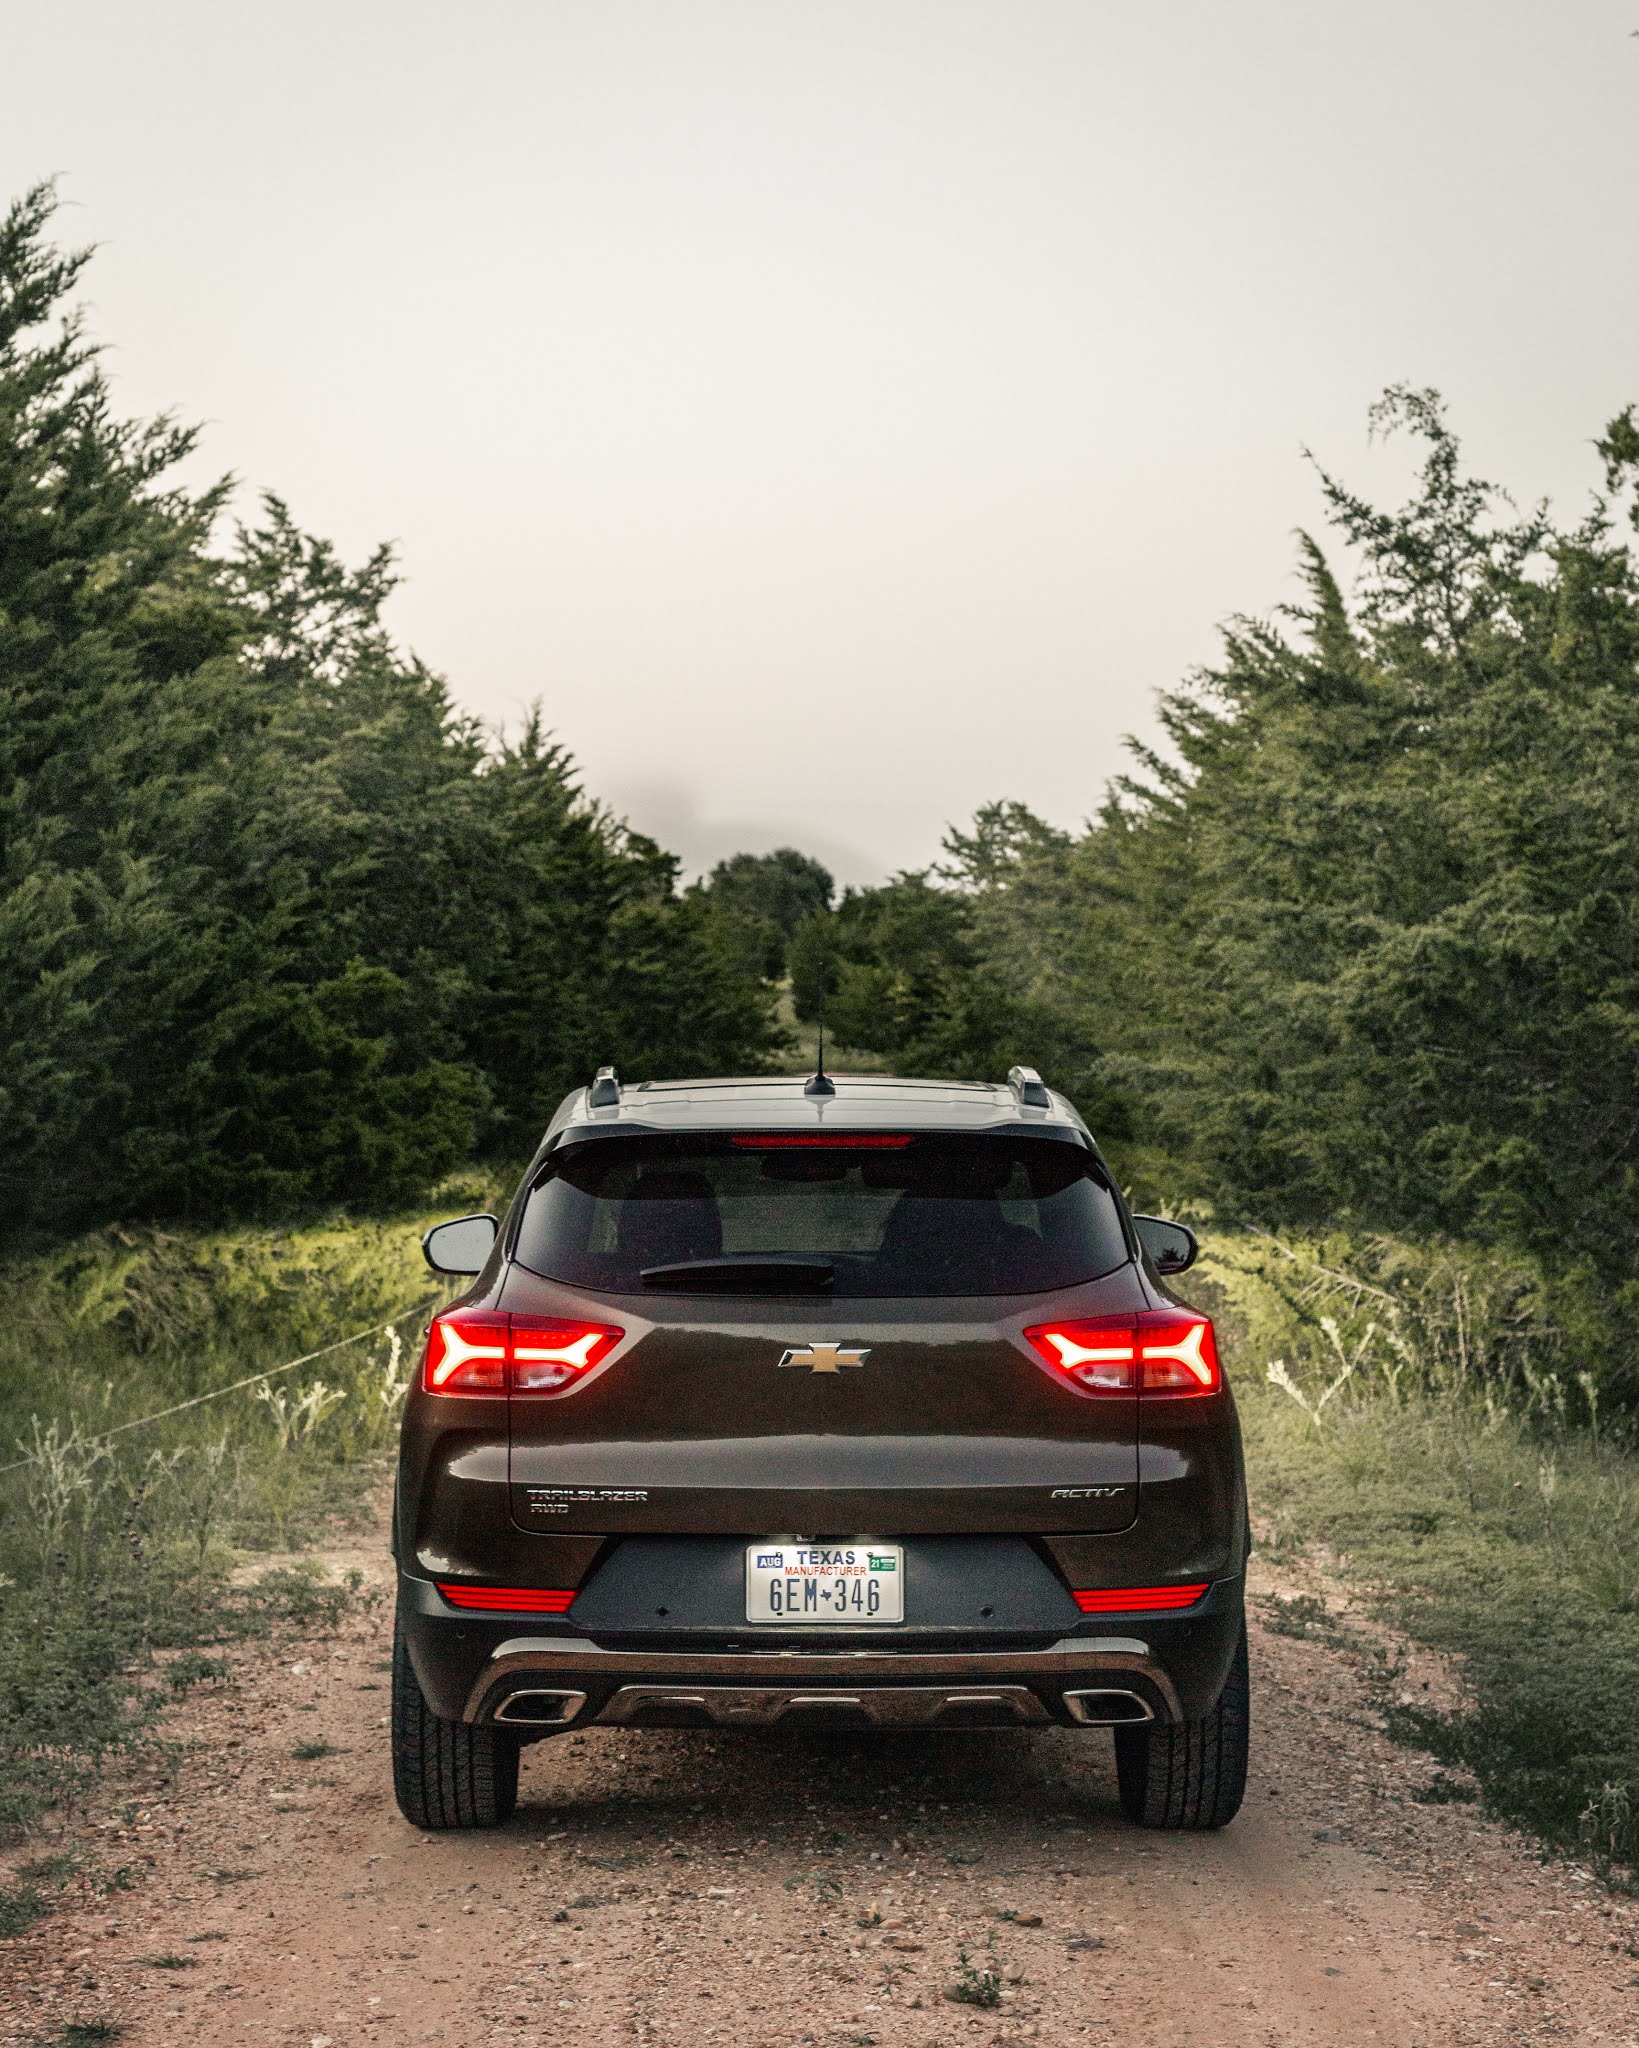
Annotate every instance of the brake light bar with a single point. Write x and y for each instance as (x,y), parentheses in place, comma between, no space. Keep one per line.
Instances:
(830,1141)
(485,1352)
(1135,1599)
(508,1599)
(1161,1351)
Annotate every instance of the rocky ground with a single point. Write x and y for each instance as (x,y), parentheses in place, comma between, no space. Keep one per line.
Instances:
(675,1888)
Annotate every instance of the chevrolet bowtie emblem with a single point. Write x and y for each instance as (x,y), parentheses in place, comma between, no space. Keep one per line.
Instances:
(824,1357)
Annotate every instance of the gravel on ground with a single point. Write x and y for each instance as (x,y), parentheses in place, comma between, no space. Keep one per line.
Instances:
(673,1888)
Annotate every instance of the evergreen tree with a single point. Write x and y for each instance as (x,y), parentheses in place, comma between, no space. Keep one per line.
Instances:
(277,924)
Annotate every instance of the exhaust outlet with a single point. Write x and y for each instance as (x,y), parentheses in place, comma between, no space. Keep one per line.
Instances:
(537,1708)
(1107,1707)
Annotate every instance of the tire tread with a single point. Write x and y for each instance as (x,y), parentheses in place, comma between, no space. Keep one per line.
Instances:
(446,1774)
(1191,1774)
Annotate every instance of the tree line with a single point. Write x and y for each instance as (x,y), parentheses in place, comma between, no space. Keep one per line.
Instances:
(279,925)
(1361,945)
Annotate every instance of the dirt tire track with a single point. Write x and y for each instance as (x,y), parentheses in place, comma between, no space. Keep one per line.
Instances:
(673,1888)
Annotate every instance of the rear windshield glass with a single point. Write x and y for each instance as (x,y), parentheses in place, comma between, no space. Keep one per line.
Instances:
(902,1216)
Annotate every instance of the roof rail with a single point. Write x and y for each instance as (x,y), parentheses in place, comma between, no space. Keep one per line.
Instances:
(604,1092)
(1029,1087)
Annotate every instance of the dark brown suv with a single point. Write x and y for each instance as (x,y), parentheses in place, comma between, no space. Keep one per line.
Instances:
(864,1405)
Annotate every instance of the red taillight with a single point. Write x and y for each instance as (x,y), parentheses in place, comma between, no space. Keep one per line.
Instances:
(830,1141)
(1136,1599)
(466,1353)
(482,1351)
(507,1599)
(1160,1351)
(547,1356)
(1100,1354)
(1177,1354)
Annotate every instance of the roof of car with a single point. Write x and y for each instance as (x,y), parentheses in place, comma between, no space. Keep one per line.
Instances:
(777,1102)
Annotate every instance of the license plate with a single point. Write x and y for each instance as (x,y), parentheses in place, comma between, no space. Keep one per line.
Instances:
(825,1585)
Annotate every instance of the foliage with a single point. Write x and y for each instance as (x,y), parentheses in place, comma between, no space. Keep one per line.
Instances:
(120,1543)
(1363,945)
(1463,1474)
(278,926)
(765,896)
(978,1983)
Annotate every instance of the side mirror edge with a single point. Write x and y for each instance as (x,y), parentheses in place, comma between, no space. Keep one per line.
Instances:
(461,1246)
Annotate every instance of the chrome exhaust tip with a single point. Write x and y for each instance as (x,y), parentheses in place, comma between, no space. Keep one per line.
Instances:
(1107,1707)
(539,1708)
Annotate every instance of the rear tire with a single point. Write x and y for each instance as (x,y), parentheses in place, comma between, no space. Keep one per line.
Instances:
(1193,1774)
(445,1773)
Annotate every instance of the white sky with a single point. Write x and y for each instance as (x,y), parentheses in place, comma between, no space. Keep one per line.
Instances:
(841,414)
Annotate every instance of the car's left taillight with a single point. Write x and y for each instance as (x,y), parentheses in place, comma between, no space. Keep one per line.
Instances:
(490,1354)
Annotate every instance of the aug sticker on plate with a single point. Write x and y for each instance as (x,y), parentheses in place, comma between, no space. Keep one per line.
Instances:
(825,1585)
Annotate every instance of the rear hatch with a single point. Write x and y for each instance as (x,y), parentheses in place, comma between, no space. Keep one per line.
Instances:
(821,1336)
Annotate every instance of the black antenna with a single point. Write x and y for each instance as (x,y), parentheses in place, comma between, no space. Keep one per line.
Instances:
(820,1083)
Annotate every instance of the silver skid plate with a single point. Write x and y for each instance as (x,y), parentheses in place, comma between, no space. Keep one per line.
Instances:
(884,1706)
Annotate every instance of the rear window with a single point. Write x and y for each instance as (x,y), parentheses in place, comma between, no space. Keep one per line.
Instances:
(891,1216)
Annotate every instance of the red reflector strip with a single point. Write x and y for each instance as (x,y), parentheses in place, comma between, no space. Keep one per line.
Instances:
(508,1599)
(1136,1599)
(840,1141)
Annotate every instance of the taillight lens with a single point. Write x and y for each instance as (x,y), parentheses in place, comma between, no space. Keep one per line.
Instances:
(1177,1354)
(1134,1599)
(1160,1351)
(547,1356)
(508,1599)
(482,1351)
(466,1353)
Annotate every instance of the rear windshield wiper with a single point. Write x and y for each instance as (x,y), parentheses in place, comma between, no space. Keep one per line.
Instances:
(744,1276)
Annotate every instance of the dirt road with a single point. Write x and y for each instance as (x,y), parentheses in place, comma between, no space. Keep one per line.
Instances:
(672,1889)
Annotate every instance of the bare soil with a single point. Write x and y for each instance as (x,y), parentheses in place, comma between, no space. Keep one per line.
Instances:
(673,1889)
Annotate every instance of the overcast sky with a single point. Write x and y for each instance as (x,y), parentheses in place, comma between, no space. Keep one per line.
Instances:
(840,414)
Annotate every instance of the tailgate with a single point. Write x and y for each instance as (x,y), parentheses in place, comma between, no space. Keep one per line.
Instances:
(837,1420)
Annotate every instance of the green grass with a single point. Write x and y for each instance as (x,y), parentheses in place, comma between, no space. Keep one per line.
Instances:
(119,1542)
(1414,1412)
(1412,1408)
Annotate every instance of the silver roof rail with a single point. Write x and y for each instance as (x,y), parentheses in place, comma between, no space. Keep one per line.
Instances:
(604,1092)
(1029,1087)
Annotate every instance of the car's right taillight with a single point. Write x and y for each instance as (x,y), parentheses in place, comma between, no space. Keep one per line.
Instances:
(1159,1351)
(486,1353)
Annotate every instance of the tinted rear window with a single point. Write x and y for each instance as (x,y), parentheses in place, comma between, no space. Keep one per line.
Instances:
(926,1215)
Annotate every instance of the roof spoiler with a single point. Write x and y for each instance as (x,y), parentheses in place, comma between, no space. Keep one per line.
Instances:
(1029,1087)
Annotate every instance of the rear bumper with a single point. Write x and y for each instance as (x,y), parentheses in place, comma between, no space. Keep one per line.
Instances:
(1123,1668)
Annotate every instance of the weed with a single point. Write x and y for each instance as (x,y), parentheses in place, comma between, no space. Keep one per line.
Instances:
(1474,1501)
(310,1752)
(211,1934)
(1299,1614)
(48,1869)
(823,1885)
(20,1906)
(121,1540)
(978,1983)
(90,2033)
(171,1962)
(1443,1791)
(193,1668)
